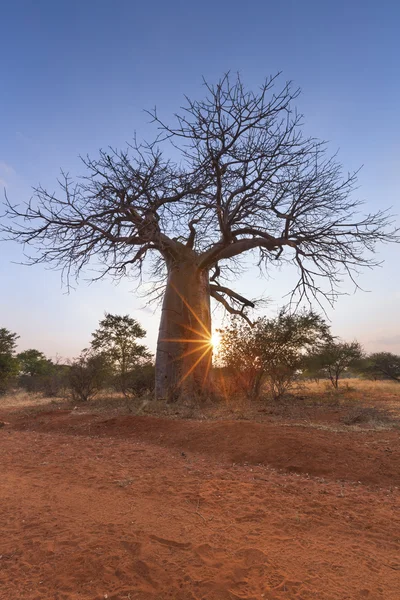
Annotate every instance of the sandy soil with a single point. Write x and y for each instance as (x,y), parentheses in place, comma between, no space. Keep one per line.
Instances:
(96,507)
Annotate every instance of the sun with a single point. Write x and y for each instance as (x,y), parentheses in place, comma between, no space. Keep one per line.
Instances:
(215,340)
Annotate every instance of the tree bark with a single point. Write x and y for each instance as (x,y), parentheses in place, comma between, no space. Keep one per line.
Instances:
(184,350)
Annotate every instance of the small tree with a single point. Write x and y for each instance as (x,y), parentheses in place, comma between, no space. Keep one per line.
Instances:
(32,363)
(8,363)
(272,350)
(87,375)
(382,365)
(37,373)
(334,358)
(116,338)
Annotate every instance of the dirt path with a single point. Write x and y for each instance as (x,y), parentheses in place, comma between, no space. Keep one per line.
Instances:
(103,516)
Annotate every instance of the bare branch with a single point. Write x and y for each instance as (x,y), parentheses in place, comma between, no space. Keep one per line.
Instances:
(230,309)
(224,290)
(247,180)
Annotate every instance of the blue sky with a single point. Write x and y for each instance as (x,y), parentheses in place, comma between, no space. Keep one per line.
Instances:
(76,76)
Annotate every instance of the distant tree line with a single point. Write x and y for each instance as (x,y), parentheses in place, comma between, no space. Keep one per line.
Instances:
(262,359)
(115,359)
(269,356)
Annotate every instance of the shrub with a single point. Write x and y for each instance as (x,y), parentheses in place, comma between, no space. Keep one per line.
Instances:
(334,359)
(140,380)
(54,383)
(271,351)
(87,375)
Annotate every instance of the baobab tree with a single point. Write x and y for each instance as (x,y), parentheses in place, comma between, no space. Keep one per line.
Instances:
(247,180)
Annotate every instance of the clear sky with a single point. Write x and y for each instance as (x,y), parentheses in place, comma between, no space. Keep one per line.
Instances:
(76,75)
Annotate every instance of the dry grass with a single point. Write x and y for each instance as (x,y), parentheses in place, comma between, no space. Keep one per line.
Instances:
(382,394)
(368,414)
(22,399)
(357,404)
(371,388)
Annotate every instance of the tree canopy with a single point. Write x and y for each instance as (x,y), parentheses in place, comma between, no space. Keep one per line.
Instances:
(247,178)
(116,340)
(33,362)
(8,341)
(383,365)
(334,358)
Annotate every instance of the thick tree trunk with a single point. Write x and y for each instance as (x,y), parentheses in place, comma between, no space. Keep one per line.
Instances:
(184,349)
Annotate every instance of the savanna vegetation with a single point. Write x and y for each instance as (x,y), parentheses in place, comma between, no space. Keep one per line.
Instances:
(280,437)
(114,360)
(273,359)
(246,181)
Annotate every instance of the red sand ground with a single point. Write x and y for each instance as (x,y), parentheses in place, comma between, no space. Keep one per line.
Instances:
(151,509)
